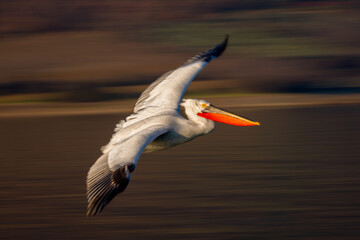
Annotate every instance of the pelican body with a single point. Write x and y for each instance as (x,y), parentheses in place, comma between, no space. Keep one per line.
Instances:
(156,124)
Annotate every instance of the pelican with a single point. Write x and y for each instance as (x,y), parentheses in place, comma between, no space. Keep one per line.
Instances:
(156,124)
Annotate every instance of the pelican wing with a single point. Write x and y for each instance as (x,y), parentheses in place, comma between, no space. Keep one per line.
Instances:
(110,174)
(168,90)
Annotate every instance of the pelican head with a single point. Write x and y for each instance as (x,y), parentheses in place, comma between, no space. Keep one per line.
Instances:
(204,109)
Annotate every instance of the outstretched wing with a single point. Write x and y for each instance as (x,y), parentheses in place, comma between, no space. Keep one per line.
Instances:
(168,90)
(110,174)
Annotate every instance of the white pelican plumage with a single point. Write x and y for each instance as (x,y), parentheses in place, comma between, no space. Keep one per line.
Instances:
(156,124)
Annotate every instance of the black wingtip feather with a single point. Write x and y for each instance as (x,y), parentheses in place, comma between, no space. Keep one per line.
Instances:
(103,184)
(220,48)
(210,54)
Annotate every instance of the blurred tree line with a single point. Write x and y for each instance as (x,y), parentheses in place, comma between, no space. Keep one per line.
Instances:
(279,45)
(24,16)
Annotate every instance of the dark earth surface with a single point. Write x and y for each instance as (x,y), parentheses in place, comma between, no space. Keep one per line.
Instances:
(297,176)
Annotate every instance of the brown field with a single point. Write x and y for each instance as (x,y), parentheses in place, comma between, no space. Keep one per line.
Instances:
(295,177)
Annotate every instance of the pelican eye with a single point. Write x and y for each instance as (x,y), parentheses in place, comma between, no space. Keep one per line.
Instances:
(204,105)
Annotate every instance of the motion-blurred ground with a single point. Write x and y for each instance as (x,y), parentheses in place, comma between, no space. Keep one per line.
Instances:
(295,177)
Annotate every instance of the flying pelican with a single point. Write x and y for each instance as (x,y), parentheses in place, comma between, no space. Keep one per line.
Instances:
(156,124)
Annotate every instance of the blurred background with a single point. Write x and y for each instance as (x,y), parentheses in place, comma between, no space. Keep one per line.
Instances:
(83,51)
(70,70)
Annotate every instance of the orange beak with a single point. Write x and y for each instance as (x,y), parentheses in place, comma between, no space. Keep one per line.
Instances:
(219,115)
